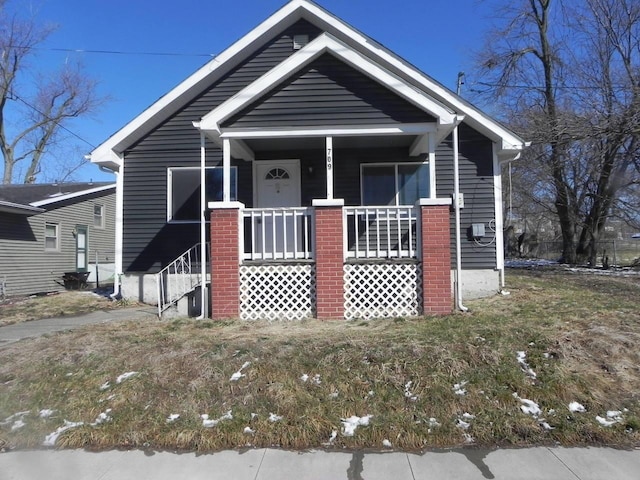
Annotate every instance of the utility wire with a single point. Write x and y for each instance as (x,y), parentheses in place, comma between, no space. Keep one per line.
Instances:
(60,125)
(118,52)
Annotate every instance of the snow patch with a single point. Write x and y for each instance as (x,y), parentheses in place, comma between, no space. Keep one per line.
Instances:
(125,376)
(522,360)
(350,424)
(386,443)
(17,425)
(248,431)
(18,416)
(407,392)
(575,407)
(51,439)
(173,417)
(45,413)
(103,417)
(207,423)
(304,377)
(274,418)
(613,417)
(458,388)
(105,386)
(238,375)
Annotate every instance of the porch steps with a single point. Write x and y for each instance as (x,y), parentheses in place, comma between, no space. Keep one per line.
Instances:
(179,282)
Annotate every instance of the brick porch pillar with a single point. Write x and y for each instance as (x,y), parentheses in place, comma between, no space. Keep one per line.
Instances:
(225,259)
(436,255)
(329,259)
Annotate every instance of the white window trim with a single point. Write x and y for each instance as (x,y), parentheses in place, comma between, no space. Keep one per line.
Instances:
(101,226)
(395,165)
(57,236)
(169,197)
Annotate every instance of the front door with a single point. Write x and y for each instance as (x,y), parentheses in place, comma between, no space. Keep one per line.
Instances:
(81,248)
(277,187)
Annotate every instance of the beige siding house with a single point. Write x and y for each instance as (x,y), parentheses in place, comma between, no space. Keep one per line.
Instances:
(47,230)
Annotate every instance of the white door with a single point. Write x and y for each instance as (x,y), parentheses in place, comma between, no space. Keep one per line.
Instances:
(277,187)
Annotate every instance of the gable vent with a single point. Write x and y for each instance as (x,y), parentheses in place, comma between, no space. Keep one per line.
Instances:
(300,41)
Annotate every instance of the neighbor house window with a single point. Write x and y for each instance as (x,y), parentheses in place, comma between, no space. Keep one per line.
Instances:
(183,196)
(51,237)
(98,216)
(394,183)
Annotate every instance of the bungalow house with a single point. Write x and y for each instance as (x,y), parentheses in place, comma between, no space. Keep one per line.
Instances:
(49,230)
(313,172)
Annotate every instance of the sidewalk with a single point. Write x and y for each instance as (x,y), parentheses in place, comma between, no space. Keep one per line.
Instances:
(263,464)
(13,333)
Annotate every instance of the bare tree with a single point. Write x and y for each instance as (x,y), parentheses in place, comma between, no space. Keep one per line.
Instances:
(570,77)
(32,114)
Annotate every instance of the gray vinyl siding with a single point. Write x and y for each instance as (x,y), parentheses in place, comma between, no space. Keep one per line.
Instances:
(328,91)
(149,242)
(25,264)
(477,185)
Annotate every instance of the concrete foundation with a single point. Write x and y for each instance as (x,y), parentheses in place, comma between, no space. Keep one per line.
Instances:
(478,283)
(139,288)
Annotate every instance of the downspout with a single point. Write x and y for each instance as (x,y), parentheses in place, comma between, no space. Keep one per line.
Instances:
(117,274)
(203,229)
(456,208)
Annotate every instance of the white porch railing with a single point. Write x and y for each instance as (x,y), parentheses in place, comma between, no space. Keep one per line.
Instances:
(380,232)
(277,233)
(180,277)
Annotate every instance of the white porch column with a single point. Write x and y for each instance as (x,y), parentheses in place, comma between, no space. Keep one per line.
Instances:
(226,170)
(329,148)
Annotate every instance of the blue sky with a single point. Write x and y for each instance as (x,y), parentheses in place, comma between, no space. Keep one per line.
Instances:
(435,35)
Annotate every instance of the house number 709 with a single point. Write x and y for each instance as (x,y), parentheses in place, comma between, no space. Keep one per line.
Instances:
(329,159)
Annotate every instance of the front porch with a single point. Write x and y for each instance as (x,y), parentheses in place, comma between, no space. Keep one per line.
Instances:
(330,261)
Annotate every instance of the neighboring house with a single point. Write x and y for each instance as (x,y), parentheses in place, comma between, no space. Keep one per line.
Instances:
(330,164)
(47,230)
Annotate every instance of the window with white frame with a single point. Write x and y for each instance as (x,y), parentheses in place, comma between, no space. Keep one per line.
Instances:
(394,183)
(51,237)
(183,195)
(98,216)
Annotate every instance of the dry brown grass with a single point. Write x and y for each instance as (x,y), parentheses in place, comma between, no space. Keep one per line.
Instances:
(579,335)
(58,304)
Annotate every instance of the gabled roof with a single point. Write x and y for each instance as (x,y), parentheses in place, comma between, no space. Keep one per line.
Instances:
(325,43)
(109,153)
(30,198)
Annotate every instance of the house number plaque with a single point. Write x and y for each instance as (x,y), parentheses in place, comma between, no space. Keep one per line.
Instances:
(329,159)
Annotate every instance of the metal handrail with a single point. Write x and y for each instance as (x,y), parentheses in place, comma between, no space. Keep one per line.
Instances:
(180,277)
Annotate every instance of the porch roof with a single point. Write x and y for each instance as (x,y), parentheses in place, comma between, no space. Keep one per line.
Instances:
(222,122)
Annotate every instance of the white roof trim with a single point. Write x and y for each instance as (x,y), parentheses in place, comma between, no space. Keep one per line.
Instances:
(10,207)
(339,131)
(108,153)
(325,43)
(472,114)
(69,196)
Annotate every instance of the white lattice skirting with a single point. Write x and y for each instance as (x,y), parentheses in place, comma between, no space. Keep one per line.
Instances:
(382,290)
(277,292)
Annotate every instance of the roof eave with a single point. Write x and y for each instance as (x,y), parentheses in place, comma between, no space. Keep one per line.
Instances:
(69,196)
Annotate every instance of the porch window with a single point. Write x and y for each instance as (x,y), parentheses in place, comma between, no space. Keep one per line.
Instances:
(183,196)
(394,183)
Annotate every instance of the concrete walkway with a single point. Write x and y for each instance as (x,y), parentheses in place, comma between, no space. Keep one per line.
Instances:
(18,331)
(262,464)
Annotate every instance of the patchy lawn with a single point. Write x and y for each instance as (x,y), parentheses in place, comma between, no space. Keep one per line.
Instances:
(556,361)
(57,304)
